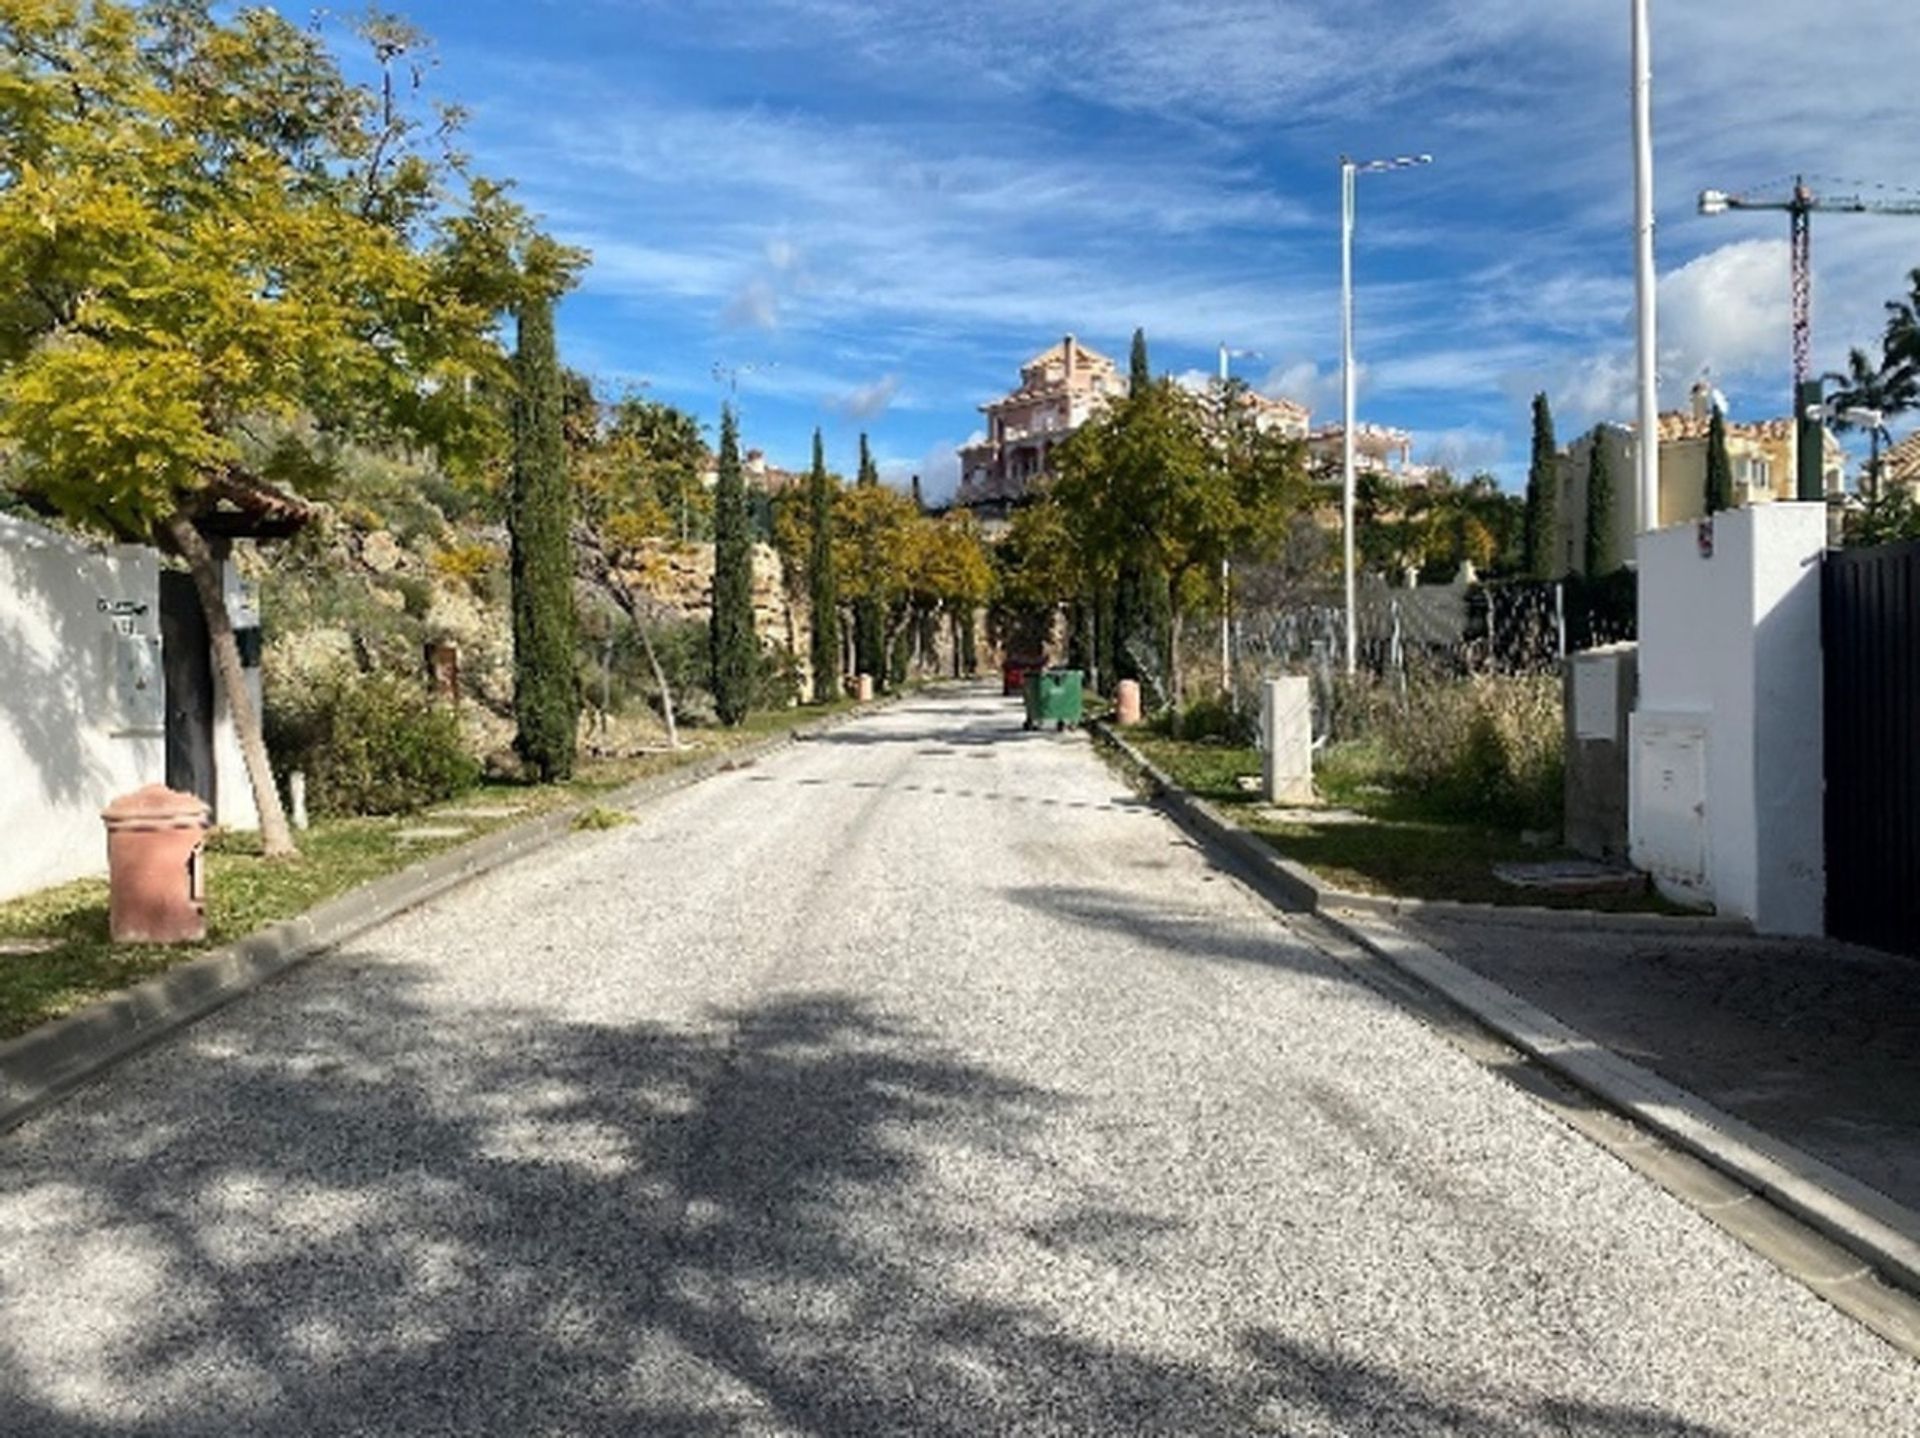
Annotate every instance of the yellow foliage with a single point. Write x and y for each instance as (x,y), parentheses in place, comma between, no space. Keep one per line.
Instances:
(468,564)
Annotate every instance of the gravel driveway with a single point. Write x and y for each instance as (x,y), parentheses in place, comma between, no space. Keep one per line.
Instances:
(918,1080)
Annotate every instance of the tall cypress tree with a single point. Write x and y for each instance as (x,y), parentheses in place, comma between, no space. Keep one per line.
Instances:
(869,614)
(1543,493)
(1139,604)
(733,648)
(823,585)
(546,689)
(1603,552)
(1719,466)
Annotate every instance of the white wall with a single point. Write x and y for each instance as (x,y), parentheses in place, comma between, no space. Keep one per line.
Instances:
(82,703)
(1731,706)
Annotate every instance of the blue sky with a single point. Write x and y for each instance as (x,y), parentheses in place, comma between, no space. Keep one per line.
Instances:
(883,206)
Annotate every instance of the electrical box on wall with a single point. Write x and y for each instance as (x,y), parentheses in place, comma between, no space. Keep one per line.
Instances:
(1670,805)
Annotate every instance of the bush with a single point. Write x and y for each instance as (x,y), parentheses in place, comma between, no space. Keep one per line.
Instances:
(369,744)
(1213,720)
(1485,748)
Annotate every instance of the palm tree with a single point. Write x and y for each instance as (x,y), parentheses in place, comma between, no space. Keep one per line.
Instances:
(1883,390)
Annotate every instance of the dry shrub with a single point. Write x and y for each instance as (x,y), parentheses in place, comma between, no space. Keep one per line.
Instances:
(1489,748)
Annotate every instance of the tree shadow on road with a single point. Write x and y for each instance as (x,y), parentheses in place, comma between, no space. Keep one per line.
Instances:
(352,1206)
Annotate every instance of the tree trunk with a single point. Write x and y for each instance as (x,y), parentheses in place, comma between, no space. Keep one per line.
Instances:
(660,678)
(1173,640)
(276,838)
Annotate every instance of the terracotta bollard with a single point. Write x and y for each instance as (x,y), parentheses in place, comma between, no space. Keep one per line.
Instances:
(155,867)
(1126,702)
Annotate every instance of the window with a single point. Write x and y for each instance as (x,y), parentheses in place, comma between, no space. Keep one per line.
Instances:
(1756,473)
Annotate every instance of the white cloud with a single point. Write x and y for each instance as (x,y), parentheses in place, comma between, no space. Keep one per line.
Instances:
(1464,450)
(938,468)
(868,401)
(754,306)
(1304,382)
(1727,313)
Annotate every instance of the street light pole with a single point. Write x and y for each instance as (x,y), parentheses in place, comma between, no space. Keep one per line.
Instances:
(1226,564)
(1349,171)
(1645,281)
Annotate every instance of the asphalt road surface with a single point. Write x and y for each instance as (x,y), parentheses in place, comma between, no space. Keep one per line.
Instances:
(917,1080)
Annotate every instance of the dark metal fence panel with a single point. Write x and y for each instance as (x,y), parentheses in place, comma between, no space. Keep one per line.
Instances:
(1870,619)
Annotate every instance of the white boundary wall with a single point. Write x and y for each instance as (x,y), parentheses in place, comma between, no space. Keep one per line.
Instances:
(82,702)
(1726,752)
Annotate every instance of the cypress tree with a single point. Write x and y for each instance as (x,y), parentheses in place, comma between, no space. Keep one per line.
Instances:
(1719,466)
(1543,494)
(869,614)
(823,585)
(733,648)
(1602,556)
(1139,604)
(546,690)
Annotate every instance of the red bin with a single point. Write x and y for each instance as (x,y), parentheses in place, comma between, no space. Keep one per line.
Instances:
(156,867)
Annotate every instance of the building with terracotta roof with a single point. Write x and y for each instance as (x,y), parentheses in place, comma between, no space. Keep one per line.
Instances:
(1378,449)
(1060,389)
(1900,465)
(1764,456)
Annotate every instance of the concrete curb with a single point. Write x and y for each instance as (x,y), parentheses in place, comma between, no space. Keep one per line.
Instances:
(1304,889)
(45,1064)
(1868,1224)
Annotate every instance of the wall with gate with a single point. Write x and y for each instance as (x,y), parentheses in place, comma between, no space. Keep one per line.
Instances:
(82,715)
(1871,622)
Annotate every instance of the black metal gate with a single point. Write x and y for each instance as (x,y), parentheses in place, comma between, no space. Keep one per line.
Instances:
(188,666)
(1870,619)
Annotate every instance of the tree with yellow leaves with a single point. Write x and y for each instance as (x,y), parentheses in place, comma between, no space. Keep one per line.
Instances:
(203,225)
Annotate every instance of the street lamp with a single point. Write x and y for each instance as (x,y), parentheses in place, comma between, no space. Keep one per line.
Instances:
(1349,170)
(1645,282)
(1226,564)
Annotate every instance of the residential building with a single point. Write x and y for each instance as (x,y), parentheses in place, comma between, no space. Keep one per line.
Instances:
(1274,414)
(769,479)
(1060,389)
(1900,465)
(1763,454)
(1378,449)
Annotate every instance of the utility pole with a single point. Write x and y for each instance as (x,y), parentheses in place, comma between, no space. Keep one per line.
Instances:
(1645,282)
(1226,564)
(1349,170)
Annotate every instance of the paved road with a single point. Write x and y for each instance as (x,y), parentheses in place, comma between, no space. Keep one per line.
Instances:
(916,1081)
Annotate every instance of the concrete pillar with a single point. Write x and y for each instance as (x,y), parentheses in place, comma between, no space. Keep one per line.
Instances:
(1286,740)
(1726,741)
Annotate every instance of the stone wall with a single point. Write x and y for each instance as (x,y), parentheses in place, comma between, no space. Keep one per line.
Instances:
(679,578)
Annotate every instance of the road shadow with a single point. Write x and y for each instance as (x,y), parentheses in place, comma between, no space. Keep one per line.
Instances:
(366,1211)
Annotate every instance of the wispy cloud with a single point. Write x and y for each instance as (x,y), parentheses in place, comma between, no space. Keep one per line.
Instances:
(869,401)
(931,192)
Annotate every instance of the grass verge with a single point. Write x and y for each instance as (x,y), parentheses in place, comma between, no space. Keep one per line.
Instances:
(55,956)
(1398,846)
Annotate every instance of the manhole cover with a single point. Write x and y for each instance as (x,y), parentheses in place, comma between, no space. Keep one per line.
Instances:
(1571,876)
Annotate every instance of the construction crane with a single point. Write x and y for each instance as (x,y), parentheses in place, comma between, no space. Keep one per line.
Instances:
(1800,205)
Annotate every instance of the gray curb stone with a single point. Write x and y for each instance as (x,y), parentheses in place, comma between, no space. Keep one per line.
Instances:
(1864,1221)
(44,1064)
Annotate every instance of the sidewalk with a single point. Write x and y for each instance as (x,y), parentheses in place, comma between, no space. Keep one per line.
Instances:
(1815,1044)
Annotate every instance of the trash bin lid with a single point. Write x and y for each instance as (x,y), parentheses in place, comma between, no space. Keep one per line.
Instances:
(157,807)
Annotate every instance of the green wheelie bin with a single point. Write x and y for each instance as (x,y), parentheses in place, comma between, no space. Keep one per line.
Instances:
(1053,696)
